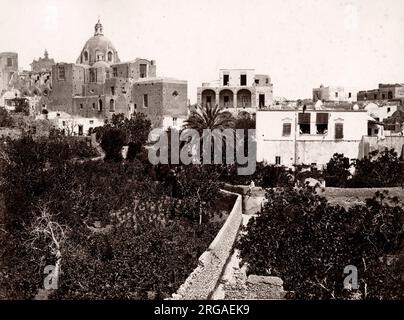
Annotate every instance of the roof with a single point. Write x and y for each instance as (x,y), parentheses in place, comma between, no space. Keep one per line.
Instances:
(160,79)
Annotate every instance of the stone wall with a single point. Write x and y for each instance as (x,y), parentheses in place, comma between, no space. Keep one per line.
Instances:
(252,200)
(202,282)
(391,142)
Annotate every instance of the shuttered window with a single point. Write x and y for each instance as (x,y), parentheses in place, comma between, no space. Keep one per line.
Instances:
(322,118)
(286,130)
(339,130)
(304,118)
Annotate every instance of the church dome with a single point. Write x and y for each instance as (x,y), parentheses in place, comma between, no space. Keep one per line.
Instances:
(98,48)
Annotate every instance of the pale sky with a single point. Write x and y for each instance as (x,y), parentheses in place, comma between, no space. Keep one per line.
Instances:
(300,44)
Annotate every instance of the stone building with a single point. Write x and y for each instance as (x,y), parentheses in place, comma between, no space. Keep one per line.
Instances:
(289,137)
(99,85)
(42,64)
(385,92)
(334,94)
(32,85)
(238,90)
(8,69)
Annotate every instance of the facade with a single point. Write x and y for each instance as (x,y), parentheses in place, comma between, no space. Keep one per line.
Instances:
(334,94)
(73,125)
(238,90)
(385,92)
(288,137)
(99,85)
(8,69)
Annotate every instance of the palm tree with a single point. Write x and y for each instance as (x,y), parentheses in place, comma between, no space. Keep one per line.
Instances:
(209,117)
(212,118)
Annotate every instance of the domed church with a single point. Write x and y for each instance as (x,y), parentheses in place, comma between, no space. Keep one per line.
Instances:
(99,85)
(98,48)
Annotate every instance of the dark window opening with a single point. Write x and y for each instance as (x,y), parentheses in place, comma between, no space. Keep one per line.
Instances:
(225,79)
(9,62)
(114,72)
(277,160)
(111,105)
(142,70)
(92,75)
(208,100)
(349,95)
(321,123)
(390,95)
(226,100)
(304,128)
(99,105)
(93,105)
(261,100)
(80,130)
(383,96)
(81,106)
(109,56)
(243,80)
(113,91)
(375,96)
(256,81)
(304,123)
(322,128)
(145,101)
(61,73)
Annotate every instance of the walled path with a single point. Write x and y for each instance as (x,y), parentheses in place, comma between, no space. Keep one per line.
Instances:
(234,283)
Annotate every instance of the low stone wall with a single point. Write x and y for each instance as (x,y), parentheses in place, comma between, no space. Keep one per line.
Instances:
(253,199)
(202,282)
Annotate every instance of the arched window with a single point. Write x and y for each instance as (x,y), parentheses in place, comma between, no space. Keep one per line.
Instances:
(100,105)
(111,105)
(390,95)
(109,56)
(85,56)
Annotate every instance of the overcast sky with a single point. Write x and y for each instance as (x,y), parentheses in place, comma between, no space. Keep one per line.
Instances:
(300,44)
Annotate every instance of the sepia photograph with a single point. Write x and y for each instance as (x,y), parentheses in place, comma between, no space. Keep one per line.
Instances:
(202,156)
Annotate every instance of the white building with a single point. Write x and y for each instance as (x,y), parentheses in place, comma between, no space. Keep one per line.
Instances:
(335,94)
(288,137)
(73,125)
(237,90)
(380,112)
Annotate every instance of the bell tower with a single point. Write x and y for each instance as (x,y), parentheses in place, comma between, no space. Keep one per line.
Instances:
(98,29)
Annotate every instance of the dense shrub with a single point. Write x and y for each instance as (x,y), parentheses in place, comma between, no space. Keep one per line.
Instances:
(151,239)
(132,264)
(120,131)
(112,141)
(379,169)
(5,118)
(265,175)
(337,172)
(307,242)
